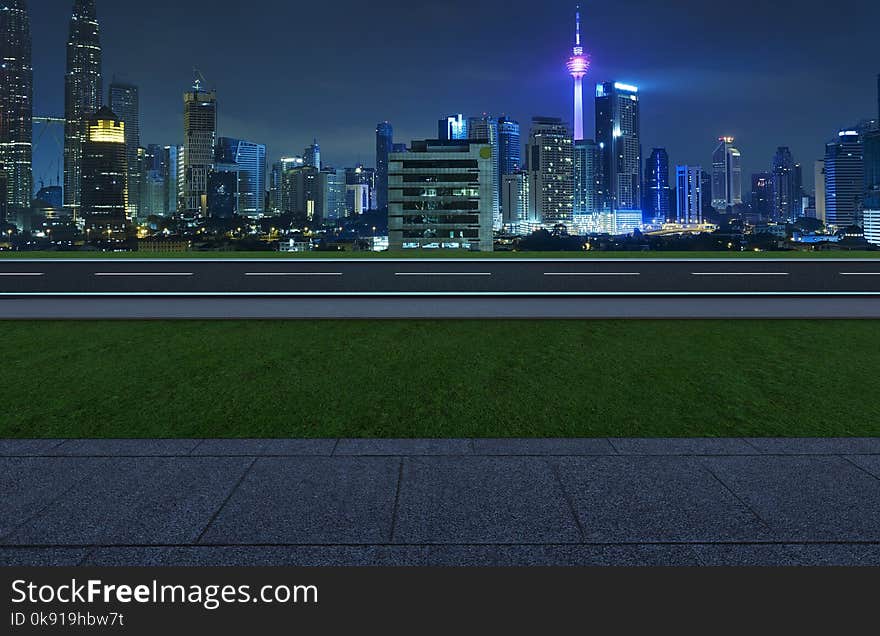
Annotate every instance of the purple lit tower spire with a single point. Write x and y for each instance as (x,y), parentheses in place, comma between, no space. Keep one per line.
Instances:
(577,66)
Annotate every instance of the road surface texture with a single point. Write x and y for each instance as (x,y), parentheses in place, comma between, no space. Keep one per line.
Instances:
(440,502)
(508,288)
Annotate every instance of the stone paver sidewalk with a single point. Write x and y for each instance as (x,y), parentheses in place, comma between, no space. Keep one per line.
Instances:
(440,502)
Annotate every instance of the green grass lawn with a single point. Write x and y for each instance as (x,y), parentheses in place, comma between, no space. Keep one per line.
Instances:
(442,254)
(440,379)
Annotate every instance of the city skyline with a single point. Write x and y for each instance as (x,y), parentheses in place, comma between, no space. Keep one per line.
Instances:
(530,82)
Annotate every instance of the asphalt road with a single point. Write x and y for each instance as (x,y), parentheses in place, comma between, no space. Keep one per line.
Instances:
(508,277)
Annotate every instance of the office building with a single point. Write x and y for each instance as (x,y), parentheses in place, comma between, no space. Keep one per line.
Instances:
(174,178)
(200,136)
(871,149)
(509,147)
(125,102)
(312,155)
(332,195)
(441,195)
(515,210)
(83,92)
(618,135)
(485,128)
(221,198)
(104,193)
(586,178)
(785,197)
(249,160)
(153,200)
(550,159)
(384,143)
(658,192)
(279,199)
(360,190)
(452,127)
(726,176)
(689,195)
(762,195)
(844,179)
(872,226)
(16,108)
(819,175)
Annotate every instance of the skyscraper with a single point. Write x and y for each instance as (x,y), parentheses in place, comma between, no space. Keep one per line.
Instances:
(312,155)
(726,175)
(586,171)
(452,127)
(689,195)
(384,143)
(819,175)
(249,161)
(104,193)
(83,93)
(618,133)
(578,65)
(844,179)
(783,189)
(485,128)
(762,194)
(509,145)
(16,107)
(550,157)
(658,198)
(125,102)
(199,134)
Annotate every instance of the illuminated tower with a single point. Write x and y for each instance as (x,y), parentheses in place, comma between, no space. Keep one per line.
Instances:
(16,108)
(577,66)
(82,95)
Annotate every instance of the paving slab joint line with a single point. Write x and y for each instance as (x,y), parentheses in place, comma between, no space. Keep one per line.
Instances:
(742,501)
(848,458)
(225,501)
(201,442)
(396,508)
(749,443)
(554,468)
(613,447)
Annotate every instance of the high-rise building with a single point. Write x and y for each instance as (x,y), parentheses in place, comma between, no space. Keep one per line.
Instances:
(726,176)
(441,195)
(515,200)
(360,190)
(586,177)
(452,127)
(485,128)
(125,102)
(819,175)
(784,195)
(871,226)
(871,148)
(16,108)
(689,195)
(844,179)
(174,178)
(577,66)
(249,160)
(199,134)
(104,177)
(83,92)
(312,155)
(618,134)
(510,159)
(550,158)
(384,143)
(762,194)
(279,191)
(658,195)
(331,194)
(153,200)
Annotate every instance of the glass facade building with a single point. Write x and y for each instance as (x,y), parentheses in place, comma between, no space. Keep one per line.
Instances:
(618,132)
(844,179)
(249,160)
(125,102)
(726,176)
(586,177)
(83,92)
(384,146)
(16,109)
(658,193)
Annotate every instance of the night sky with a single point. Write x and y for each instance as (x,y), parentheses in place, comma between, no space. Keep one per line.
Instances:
(769,73)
